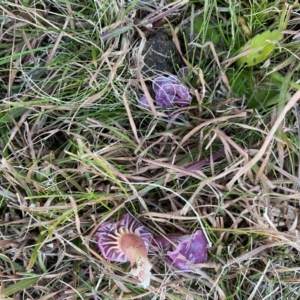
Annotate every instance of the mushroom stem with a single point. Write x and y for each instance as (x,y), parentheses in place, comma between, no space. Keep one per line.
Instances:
(134,248)
(127,240)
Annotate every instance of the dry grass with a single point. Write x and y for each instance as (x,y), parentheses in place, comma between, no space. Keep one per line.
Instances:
(77,150)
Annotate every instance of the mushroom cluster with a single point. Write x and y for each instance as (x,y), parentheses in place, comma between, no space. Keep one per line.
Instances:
(169,92)
(128,240)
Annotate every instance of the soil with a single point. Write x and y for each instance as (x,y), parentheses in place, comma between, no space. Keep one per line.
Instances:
(160,55)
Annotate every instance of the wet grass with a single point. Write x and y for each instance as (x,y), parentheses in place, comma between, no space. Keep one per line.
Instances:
(77,149)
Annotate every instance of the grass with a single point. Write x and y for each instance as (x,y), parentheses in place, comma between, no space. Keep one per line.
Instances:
(78,150)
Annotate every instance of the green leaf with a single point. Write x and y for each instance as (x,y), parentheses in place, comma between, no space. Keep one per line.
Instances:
(13,264)
(12,114)
(259,48)
(19,286)
(259,91)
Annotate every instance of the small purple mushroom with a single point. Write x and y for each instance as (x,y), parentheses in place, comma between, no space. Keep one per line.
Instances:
(185,250)
(169,92)
(183,73)
(173,94)
(143,102)
(160,81)
(127,240)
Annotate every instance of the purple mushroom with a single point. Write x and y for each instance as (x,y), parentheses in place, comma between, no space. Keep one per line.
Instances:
(127,240)
(143,102)
(160,81)
(173,94)
(184,250)
(183,73)
(169,92)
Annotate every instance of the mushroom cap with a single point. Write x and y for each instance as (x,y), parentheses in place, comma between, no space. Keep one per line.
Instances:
(170,92)
(183,73)
(143,102)
(191,250)
(186,250)
(109,236)
(173,94)
(160,81)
